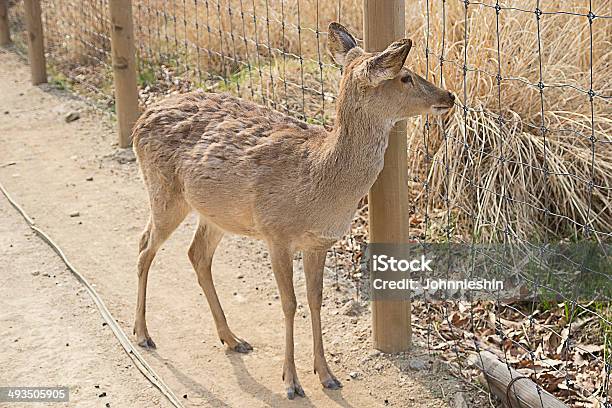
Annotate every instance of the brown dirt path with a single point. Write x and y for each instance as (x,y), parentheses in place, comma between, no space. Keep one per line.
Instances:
(51,333)
(53,169)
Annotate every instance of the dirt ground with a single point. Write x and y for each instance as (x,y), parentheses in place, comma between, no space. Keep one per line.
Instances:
(86,193)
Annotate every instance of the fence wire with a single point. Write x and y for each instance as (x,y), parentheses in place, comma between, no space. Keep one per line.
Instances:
(530,134)
(267,51)
(527,153)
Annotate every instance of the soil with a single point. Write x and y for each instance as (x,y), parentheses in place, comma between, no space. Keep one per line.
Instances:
(86,193)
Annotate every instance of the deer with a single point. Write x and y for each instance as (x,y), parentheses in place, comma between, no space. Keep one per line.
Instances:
(253,171)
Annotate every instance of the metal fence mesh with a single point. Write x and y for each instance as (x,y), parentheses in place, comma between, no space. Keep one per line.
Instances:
(270,52)
(526,156)
(525,161)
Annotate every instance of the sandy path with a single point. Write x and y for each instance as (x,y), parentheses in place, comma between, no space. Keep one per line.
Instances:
(53,161)
(61,340)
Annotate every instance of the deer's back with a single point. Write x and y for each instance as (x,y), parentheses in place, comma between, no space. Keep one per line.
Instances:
(198,119)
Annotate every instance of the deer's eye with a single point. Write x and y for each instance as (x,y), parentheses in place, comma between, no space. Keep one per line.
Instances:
(407,79)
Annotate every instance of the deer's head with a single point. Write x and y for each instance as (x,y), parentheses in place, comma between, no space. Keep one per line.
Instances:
(379,82)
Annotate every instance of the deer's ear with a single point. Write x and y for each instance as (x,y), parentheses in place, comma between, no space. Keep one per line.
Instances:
(339,43)
(388,63)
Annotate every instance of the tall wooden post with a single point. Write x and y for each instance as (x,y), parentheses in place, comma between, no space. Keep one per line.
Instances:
(124,68)
(387,202)
(5,33)
(36,46)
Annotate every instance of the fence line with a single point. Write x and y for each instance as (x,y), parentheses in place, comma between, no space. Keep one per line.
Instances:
(524,159)
(124,69)
(5,34)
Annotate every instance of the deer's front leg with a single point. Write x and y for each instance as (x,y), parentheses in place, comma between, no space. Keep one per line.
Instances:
(314,263)
(282,266)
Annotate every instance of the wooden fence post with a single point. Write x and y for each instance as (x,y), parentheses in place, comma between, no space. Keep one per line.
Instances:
(383,23)
(36,45)
(5,33)
(124,68)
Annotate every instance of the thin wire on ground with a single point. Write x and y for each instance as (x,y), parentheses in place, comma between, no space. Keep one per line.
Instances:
(130,350)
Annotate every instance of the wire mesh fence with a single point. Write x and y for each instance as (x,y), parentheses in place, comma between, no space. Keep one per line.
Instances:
(271,52)
(77,45)
(525,158)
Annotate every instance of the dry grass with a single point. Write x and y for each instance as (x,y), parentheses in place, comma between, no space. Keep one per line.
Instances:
(219,45)
(490,195)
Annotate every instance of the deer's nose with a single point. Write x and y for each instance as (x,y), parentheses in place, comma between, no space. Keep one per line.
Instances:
(451,96)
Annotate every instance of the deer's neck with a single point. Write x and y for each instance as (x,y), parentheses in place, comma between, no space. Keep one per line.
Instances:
(355,151)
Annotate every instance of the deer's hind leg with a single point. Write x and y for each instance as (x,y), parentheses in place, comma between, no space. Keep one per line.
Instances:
(168,210)
(201,251)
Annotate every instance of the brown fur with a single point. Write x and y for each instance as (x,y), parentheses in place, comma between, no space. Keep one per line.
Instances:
(252,171)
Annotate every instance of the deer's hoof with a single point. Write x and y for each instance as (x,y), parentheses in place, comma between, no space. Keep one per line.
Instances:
(242,347)
(332,384)
(147,343)
(295,389)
